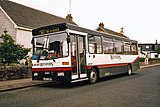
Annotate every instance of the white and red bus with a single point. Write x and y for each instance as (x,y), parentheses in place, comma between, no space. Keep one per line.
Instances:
(67,52)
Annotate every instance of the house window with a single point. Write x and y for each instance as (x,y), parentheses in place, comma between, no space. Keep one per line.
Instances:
(147,47)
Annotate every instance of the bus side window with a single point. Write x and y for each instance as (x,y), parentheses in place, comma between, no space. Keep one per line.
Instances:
(108,46)
(95,44)
(127,48)
(118,47)
(134,49)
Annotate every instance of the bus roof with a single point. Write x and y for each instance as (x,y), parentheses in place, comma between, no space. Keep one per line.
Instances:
(64,26)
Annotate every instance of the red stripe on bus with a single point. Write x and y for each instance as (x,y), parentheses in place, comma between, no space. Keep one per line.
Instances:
(112,65)
(108,65)
(51,69)
(135,60)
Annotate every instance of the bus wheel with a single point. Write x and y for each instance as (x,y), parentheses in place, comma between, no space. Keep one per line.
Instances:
(129,70)
(93,76)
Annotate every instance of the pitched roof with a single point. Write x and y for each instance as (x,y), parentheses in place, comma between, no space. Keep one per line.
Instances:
(102,29)
(28,17)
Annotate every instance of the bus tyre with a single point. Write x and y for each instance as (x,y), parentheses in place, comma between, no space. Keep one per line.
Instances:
(93,76)
(129,70)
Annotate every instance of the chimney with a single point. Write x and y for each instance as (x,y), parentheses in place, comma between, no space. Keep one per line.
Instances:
(122,30)
(156,42)
(69,17)
(101,25)
(5,31)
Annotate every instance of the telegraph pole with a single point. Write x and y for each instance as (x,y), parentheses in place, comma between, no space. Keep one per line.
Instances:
(69,6)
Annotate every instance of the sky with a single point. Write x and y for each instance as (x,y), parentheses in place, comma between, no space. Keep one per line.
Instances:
(140,18)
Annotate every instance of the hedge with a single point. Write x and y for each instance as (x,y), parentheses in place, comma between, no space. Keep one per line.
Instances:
(14,72)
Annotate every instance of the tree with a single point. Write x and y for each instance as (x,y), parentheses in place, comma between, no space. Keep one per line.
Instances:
(10,51)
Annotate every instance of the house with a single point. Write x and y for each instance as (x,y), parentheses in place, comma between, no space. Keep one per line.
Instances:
(101,28)
(149,49)
(19,20)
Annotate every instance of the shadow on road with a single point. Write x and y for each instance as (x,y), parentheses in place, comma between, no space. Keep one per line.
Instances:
(115,77)
(62,85)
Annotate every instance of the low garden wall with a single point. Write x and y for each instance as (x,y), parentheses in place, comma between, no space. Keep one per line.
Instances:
(150,60)
(15,72)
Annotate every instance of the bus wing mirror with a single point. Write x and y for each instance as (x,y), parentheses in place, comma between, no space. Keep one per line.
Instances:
(68,39)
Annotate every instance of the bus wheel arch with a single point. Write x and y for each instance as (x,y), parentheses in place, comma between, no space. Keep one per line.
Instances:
(93,75)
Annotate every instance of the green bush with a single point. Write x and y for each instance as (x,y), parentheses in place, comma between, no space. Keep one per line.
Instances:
(10,51)
(141,59)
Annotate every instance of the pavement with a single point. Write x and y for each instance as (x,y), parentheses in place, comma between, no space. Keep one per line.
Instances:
(9,85)
(146,66)
(24,83)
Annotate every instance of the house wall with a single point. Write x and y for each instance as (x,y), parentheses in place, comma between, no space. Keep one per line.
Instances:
(21,36)
(24,37)
(5,22)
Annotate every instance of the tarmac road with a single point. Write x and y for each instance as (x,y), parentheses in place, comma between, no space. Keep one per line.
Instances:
(142,89)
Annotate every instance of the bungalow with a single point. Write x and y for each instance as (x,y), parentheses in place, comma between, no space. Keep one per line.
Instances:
(101,28)
(149,49)
(19,20)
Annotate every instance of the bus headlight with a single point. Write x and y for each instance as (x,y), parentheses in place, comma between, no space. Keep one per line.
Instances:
(35,74)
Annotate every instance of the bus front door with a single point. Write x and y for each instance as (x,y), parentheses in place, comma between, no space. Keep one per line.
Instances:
(78,57)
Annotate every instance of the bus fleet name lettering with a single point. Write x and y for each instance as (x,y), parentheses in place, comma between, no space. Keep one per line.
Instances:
(115,57)
(46,64)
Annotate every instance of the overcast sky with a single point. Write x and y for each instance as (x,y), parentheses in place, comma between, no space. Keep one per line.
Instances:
(140,18)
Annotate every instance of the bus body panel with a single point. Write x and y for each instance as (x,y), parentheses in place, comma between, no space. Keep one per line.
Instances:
(112,64)
(60,62)
(52,69)
(110,60)
(103,72)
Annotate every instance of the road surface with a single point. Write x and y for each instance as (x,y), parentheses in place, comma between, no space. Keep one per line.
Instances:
(142,89)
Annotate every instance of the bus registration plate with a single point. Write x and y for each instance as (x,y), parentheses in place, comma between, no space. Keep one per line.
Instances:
(60,73)
(47,73)
(47,78)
